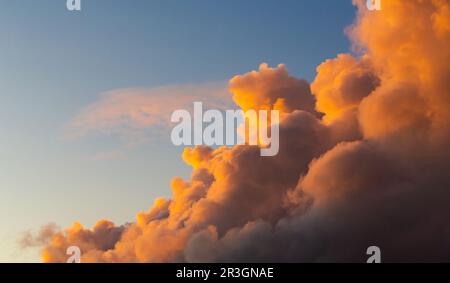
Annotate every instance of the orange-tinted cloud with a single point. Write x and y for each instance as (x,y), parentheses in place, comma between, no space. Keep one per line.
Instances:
(372,171)
(271,88)
(341,84)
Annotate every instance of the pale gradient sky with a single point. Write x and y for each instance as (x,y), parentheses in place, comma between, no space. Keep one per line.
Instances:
(55,63)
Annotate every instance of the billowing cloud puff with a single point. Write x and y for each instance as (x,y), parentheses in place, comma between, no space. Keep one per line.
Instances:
(98,240)
(271,88)
(372,171)
(341,84)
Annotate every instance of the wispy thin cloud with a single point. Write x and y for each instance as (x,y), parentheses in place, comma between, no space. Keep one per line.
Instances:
(137,115)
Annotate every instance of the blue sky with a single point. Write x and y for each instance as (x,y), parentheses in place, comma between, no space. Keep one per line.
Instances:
(55,62)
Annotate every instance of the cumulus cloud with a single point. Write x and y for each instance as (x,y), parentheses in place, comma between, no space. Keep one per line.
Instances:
(372,171)
(271,88)
(342,83)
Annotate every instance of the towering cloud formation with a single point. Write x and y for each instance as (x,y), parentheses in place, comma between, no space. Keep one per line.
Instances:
(372,171)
